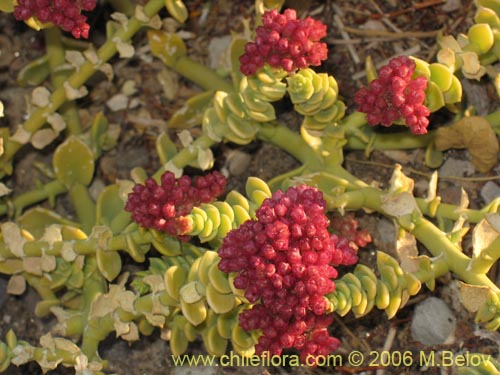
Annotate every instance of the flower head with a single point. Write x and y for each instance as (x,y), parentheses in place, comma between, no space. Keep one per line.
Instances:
(161,206)
(349,237)
(285,263)
(65,14)
(283,41)
(395,95)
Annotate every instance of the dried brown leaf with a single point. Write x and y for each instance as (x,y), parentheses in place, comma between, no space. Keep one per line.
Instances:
(473,296)
(474,133)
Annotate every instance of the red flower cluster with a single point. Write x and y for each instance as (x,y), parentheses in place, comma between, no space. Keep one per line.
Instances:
(160,206)
(65,14)
(285,42)
(285,258)
(349,236)
(395,95)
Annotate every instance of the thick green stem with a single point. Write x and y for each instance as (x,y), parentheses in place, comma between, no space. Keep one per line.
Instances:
(77,79)
(449,211)
(55,53)
(393,141)
(47,191)
(94,286)
(86,246)
(41,285)
(439,245)
(68,358)
(439,267)
(188,154)
(84,206)
(289,141)
(200,74)
(425,232)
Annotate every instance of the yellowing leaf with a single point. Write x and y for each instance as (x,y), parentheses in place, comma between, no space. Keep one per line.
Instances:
(168,47)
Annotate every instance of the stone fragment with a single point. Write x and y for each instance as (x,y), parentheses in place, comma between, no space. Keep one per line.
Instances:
(433,323)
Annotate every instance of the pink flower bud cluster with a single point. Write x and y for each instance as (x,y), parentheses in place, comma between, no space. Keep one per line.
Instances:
(349,236)
(283,41)
(284,261)
(394,95)
(161,206)
(65,14)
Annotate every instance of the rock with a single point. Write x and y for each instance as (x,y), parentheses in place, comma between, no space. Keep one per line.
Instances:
(455,167)
(477,96)
(451,5)
(237,162)
(386,237)
(218,52)
(433,322)
(490,191)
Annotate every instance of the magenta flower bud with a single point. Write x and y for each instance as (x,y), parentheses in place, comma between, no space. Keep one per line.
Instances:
(290,272)
(65,14)
(394,95)
(161,207)
(285,42)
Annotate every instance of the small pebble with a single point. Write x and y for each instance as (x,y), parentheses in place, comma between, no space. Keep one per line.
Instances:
(433,323)
(455,167)
(217,52)
(451,5)
(490,191)
(237,162)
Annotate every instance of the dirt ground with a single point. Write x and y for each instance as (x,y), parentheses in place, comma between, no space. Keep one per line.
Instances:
(377,28)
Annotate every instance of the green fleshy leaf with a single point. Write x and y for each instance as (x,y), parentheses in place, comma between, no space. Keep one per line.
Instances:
(237,48)
(6,6)
(42,308)
(191,113)
(421,68)
(493,4)
(370,69)
(168,47)
(481,36)
(177,9)
(109,204)
(496,45)
(35,72)
(486,15)
(37,219)
(165,148)
(433,158)
(434,98)
(111,28)
(73,162)
(99,127)
(454,94)
(441,76)
(109,263)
